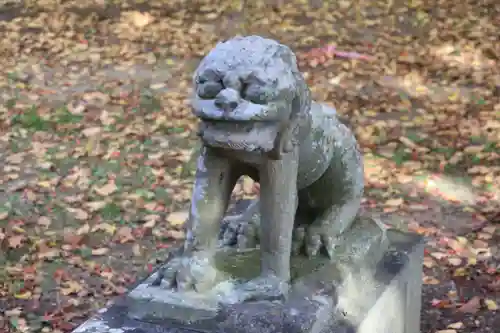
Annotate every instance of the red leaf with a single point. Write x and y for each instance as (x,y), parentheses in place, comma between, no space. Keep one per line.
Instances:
(440,303)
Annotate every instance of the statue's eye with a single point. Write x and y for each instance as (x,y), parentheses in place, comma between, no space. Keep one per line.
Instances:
(207,75)
(201,80)
(209,89)
(256,94)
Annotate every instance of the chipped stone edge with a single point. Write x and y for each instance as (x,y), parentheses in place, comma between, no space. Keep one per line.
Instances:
(97,324)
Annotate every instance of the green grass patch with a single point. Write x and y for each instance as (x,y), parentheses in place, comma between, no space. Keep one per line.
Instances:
(30,119)
(400,156)
(149,102)
(63,116)
(111,212)
(446,151)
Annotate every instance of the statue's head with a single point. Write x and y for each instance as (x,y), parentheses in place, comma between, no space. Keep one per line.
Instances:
(253,79)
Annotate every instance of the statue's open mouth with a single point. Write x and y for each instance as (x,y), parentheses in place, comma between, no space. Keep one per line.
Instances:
(245,112)
(249,127)
(239,136)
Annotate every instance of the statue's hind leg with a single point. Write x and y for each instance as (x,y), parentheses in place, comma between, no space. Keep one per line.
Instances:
(337,196)
(242,231)
(325,231)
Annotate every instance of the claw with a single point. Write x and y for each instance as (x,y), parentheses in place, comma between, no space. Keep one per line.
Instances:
(329,244)
(184,285)
(243,242)
(250,234)
(183,281)
(229,237)
(167,274)
(187,273)
(313,244)
(241,231)
(313,240)
(299,234)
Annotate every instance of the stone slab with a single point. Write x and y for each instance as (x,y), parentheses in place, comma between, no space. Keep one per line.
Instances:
(334,298)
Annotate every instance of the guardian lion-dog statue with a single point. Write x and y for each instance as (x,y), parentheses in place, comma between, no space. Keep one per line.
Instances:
(257,119)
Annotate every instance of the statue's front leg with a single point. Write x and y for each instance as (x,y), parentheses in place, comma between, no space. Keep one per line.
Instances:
(214,181)
(278,204)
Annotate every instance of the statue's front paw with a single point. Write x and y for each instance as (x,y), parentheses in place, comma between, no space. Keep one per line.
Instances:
(239,232)
(188,273)
(268,288)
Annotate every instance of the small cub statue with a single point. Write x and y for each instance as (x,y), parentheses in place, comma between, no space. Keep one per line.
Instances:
(257,119)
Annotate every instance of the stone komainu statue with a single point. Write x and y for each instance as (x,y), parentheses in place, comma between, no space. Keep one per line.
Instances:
(257,119)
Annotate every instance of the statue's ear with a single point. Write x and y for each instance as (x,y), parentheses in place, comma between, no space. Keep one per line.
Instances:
(282,143)
(292,131)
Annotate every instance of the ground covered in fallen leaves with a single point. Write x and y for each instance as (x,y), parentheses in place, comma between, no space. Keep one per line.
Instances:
(96,139)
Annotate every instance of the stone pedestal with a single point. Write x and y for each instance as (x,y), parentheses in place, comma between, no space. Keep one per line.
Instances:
(379,294)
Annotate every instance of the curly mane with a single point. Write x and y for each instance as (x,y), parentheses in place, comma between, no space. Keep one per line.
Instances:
(277,62)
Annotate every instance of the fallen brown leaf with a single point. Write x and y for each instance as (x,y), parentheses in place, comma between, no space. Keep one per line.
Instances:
(150,224)
(175,234)
(177,218)
(48,253)
(71,287)
(106,227)
(16,241)
(457,325)
(429,262)
(91,131)
(430,280)
(484,235)
(124,235)
(44,221)
(79,214)
(394,202)
(136,249)
(13,312)
(94,206)
(439,255)
(139,19)
(16,158)
(472,306)
(454,261)
(72,238)
(490,229)
(85,229)
(100,251)
(106,190)
(479,244)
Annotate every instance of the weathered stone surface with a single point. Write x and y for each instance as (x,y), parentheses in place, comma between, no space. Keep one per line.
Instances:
(257,119)
(378,295)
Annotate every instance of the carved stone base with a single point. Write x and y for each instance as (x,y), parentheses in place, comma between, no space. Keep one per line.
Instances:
(380,293)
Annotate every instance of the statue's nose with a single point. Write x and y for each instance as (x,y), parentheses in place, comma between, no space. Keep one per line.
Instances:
(227,100)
